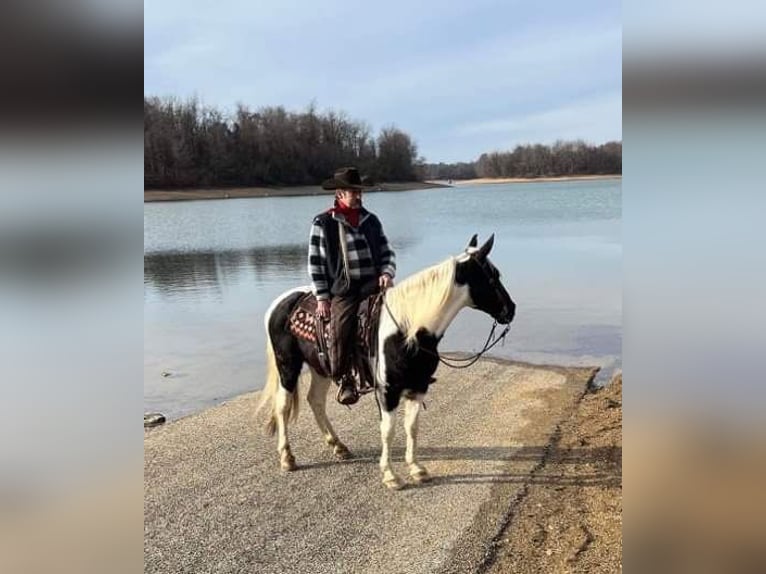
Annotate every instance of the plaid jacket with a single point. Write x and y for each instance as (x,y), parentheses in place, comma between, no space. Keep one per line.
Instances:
(325,266)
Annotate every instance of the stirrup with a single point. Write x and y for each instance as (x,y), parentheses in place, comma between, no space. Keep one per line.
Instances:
(353,394)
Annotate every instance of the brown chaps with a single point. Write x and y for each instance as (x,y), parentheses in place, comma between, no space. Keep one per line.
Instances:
(343,310)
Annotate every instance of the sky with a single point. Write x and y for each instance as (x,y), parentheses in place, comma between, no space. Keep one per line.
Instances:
(462,78)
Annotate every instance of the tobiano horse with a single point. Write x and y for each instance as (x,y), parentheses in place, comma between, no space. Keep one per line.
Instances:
(415,315)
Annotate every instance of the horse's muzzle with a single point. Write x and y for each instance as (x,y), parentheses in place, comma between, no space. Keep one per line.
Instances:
(507,314)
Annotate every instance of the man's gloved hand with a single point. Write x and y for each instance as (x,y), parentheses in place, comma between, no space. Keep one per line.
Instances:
(323,309)
(385,281)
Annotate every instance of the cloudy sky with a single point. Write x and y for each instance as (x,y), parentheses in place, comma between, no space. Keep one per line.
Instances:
(461,78)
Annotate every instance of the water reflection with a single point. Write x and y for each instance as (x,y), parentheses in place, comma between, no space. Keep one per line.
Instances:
(169,273)
(175,272)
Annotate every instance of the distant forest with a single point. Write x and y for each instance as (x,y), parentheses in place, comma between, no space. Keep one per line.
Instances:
(560,159)
(187,145)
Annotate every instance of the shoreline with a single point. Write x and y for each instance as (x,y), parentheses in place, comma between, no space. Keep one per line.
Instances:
(496,180)
(152,195)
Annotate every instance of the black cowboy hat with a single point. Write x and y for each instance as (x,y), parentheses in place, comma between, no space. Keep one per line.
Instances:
(346,178)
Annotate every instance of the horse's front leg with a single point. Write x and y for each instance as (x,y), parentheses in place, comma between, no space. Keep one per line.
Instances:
(411,412)
(387,435)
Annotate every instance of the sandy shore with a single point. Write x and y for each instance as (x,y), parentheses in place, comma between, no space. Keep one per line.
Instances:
(231,193)
(491,180)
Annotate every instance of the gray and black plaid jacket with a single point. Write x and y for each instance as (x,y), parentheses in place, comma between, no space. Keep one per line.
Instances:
(369,253)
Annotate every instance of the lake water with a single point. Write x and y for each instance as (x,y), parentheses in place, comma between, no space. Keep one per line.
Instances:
(211,269)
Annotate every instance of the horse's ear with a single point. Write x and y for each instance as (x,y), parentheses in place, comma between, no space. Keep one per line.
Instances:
(473,242)
(486,248)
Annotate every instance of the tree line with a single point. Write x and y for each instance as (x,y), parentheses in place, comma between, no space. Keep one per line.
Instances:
(560,159)
(187,145)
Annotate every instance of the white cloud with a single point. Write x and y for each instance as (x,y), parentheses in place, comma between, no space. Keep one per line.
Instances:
(513,67)
(596,119)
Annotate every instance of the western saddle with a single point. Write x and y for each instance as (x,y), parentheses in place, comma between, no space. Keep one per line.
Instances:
(307,325)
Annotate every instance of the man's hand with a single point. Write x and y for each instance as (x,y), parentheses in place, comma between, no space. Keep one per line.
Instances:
(323,309)
(385,281)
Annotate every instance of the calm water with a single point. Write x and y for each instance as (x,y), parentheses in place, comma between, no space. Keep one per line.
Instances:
(211,269)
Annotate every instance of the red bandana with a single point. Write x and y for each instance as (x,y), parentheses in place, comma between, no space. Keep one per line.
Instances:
(350,213)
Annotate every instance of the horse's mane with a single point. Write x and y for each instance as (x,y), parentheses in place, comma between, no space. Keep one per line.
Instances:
(418,301)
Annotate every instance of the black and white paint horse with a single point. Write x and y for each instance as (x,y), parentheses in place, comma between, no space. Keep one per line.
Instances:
(413,321)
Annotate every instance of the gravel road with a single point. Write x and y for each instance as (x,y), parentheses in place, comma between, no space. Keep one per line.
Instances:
(216,501)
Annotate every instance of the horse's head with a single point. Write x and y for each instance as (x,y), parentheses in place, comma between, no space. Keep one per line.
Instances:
(487,293)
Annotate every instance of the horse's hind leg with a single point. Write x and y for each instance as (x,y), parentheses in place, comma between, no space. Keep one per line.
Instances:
(317,397)
(411,412)
(286,407)
(281,412)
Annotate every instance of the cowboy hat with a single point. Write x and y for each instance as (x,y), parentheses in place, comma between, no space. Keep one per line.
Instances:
(345,178)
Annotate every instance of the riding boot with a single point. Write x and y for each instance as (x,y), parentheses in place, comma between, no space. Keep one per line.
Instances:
(347,388)
(347,392)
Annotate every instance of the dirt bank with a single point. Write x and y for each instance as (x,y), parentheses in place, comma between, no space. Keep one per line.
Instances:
(569,519)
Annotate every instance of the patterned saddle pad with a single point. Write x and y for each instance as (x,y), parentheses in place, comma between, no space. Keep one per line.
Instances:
(303,322)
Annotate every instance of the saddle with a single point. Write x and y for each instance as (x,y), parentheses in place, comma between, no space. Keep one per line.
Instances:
(305,324)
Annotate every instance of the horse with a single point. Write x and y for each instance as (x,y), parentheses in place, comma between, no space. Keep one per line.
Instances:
(415,315)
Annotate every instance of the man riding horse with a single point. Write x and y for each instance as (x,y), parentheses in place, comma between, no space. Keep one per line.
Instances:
(416,313)
(349,258)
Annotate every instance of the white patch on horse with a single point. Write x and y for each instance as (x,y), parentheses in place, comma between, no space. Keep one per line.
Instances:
(283,405)
(427,300)
(278,300)
(387,431)
(460,297)
(411,413)
(386,330)
(317,398)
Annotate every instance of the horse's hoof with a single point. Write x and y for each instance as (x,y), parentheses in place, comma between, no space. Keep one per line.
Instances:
(419,476)
(288,463)
(341,452)
(393,482)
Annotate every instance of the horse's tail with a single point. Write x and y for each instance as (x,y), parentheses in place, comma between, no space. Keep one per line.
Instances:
(268,396)
(269,393)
